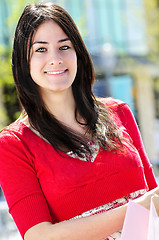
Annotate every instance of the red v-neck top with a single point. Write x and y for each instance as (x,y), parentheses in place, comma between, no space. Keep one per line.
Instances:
(42,185)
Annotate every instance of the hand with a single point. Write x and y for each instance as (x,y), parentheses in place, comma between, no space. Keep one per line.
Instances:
(145,200)
(155,199)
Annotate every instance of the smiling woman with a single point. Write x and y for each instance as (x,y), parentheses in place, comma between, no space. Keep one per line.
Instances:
(71,162)
(53,60)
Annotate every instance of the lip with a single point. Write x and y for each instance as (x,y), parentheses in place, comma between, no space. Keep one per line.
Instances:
(57,72)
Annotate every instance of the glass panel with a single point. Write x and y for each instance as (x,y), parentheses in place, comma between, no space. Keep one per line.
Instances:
(125,84)
(76,8)
(4,12)
(91,38)
(119,25)
(136,29)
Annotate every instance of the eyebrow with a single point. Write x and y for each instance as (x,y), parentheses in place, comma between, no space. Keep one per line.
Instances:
(44,42)
(64,39)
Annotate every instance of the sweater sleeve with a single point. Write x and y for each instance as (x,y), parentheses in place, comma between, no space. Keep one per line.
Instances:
(19,183)
(130,124)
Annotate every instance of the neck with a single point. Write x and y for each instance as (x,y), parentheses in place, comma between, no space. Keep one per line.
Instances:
(61,105)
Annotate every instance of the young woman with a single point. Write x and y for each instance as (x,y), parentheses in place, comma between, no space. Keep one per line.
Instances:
(71,162)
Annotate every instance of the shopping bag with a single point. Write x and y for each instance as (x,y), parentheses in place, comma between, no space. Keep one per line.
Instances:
(140,223)
(153,230)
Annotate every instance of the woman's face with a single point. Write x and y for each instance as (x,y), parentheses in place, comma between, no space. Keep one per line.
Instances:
(53,60)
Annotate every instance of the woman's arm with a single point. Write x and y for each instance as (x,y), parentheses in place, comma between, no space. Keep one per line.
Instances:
(94,227)
(128,120)
(90,228)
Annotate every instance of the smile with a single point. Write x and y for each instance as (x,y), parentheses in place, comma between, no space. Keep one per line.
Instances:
(55,73)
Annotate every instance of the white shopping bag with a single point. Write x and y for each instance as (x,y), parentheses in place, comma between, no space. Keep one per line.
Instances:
(140,223)
(153,230)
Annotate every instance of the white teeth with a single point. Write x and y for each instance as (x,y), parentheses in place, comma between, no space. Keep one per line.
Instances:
(54,73)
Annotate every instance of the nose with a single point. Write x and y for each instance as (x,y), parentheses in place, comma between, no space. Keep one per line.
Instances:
(53,63)
(55,59)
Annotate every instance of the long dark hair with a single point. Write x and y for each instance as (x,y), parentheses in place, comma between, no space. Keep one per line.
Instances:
(96,116)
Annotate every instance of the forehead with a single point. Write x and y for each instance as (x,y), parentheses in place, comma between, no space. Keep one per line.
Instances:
(49,30)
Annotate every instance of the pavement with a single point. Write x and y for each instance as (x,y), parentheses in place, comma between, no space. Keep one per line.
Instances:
(8,229)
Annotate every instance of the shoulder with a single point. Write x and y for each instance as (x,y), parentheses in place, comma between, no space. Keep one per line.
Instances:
(19,137)
(119,110)
(109,101)
(113,104)
(16,127)
(15,132)
(17,144)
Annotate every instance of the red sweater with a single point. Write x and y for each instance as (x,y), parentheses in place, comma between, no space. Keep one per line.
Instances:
(41,185)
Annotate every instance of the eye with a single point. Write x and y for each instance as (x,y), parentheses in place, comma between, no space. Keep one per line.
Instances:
(64,48)
(41,49)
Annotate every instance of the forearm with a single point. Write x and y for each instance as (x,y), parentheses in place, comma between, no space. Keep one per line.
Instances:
(90,228)
(95,227)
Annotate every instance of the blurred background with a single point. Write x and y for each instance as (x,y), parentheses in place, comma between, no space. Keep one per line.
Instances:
(122,37)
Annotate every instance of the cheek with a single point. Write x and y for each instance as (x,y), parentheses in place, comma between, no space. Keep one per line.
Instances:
(71,59)
(74,63)
(34,69)
(35,65)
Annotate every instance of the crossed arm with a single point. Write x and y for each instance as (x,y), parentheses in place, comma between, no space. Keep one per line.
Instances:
(95,227)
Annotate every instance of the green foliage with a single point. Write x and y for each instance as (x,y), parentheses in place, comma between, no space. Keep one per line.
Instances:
(10,102)
(9,107)
(156,95)
(152,17)
(16,10)
(5,66)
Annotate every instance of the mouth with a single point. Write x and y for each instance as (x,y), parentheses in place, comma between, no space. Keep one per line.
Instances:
(55,72)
